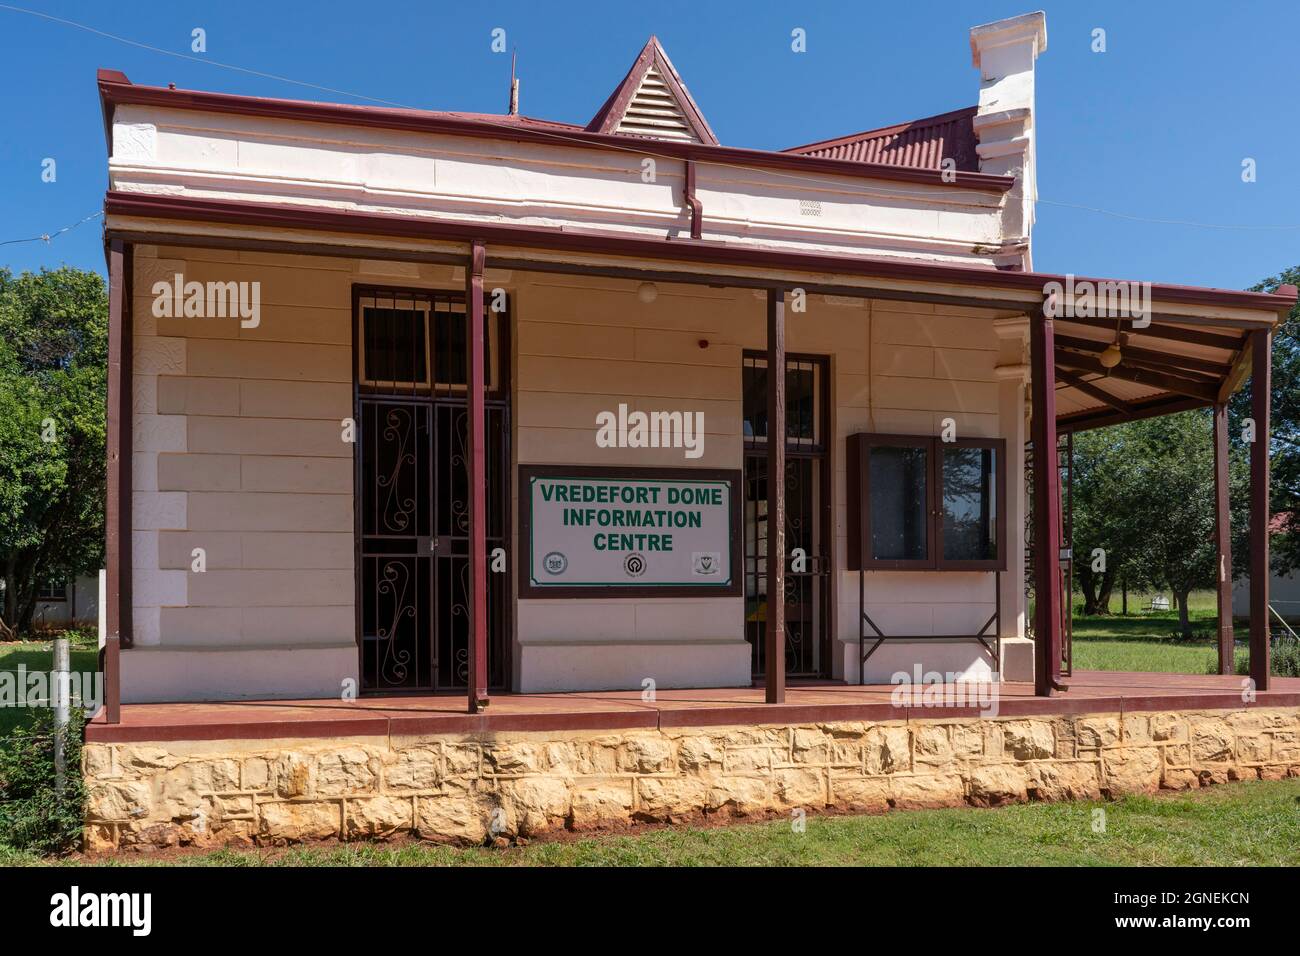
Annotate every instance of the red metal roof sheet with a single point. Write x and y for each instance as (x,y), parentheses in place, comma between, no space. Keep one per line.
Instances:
(920,144)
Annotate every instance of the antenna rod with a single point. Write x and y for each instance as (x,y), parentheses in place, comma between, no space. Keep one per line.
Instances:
(514,85)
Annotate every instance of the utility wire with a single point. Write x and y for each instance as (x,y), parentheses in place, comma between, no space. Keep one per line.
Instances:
(48,236)
(804,179)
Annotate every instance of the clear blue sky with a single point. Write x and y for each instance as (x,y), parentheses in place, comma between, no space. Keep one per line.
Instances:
(1156,127)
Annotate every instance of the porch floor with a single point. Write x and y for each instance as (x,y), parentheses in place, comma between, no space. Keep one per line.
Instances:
(1089,691)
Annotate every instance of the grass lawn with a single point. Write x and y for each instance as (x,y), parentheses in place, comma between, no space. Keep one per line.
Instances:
(1255,823)
(1141,640)
(38,656)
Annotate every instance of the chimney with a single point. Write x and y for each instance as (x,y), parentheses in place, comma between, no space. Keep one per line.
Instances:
(1004,52)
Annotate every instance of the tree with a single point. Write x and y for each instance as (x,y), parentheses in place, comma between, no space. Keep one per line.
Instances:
(1144,494)
(53,379)
(1106,535)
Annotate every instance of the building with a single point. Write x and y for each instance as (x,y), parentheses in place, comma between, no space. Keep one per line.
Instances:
(411,412)
(305,500)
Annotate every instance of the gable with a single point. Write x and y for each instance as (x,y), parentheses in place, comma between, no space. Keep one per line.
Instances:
(652,102)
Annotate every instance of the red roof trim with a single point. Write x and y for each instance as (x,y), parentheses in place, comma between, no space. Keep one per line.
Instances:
(687,250)
(611,113)
(116,90)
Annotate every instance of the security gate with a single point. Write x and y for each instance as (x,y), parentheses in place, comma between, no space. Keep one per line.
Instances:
(412,500)
(807,516)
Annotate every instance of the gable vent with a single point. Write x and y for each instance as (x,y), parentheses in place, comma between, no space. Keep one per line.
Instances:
(654,112)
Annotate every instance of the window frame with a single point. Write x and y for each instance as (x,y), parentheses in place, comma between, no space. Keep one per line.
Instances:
(858,487)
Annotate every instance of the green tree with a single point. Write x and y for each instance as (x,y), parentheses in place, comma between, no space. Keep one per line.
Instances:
(53,378)
(1144,493)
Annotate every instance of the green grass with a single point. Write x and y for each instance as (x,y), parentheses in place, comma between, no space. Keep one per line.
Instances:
(38,656)
(1240,824)
(1141,640)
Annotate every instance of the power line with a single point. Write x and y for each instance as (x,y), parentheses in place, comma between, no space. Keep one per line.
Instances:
(560,137)
(48,236)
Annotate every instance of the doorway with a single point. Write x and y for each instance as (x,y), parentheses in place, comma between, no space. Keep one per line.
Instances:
(412,519)
(807,515)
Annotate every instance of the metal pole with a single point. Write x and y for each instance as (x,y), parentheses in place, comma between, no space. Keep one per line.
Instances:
(61,691)
(774,626)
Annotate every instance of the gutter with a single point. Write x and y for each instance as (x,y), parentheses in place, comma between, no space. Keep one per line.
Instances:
(277,215)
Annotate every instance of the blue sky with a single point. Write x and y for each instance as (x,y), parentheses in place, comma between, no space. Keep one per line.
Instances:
(1155,128)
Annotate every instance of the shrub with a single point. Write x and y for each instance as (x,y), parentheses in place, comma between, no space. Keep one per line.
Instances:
(1284,660)
(33,815)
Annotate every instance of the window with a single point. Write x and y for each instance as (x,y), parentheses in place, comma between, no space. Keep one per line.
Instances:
(403,337)
(803,411)
(916,502)
(53,591)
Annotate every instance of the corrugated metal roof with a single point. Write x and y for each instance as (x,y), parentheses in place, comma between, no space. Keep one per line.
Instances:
(920,144)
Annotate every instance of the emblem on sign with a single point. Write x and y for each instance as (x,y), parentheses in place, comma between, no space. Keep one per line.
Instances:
(705,562)
(555,563)
(634,565)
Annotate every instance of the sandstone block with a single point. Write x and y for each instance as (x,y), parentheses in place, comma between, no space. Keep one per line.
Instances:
(996,784)
(119,801)
(1058,780)
(699,752)
(379,817)
(298,821)
(647,754)
(598,803)
(1029,739)
(1095,732)
(741,795)
(419,768)
(345,772)
(1132,770)
(888,750)
(861,793)
(669,799)
(455,818)
(930,790)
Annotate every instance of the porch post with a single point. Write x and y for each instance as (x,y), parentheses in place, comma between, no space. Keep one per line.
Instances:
(1223,538)
(1261,387)
(774,628)
(476,464)
(1047,508)
(117,510)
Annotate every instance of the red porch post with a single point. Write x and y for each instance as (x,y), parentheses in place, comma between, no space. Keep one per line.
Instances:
(774,628)
(117,510)
(1223,538)
(1047,508)
(476,464)
(1261,388)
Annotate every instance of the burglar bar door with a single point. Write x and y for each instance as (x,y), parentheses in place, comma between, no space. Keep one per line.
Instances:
(412,501)
(807,510)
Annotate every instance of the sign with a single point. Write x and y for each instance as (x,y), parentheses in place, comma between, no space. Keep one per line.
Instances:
(629,531)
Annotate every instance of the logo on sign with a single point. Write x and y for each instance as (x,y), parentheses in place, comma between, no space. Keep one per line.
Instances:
(634,565)
(705,562)
(555,563)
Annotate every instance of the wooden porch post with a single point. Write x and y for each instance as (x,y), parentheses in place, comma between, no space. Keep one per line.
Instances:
(476,464)
(1261,387)
(774,628)
(117,511)
(1047,509)
(1223,538)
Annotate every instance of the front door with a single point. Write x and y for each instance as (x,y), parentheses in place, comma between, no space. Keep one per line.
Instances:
(412,518)
(807,514)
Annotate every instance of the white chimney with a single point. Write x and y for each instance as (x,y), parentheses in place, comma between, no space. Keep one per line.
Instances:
(1004,52)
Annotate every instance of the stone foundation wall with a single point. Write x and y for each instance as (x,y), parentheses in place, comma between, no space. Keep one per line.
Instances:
(459,788)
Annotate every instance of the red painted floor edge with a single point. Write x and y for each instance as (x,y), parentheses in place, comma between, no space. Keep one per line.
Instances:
(1093,692)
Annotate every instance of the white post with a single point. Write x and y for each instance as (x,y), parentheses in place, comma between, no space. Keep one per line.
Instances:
(61,689)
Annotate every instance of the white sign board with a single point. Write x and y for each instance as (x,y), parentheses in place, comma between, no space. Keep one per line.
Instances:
(631,529)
